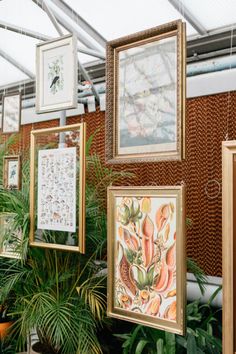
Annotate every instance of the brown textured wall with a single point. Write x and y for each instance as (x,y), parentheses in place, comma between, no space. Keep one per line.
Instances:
(208,120)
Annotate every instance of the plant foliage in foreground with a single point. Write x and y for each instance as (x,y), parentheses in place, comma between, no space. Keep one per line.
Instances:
(202,335)
(59,294)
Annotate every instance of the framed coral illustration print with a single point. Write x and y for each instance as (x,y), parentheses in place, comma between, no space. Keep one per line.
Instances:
(146,256)
(57,188)
(11,113)
(56,74)
(145,113)
(12,172)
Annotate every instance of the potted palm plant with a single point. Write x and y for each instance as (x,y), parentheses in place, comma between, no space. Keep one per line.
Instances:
(5,321)
(61,295)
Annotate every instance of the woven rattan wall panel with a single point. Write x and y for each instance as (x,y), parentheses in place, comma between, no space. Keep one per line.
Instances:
(208,121)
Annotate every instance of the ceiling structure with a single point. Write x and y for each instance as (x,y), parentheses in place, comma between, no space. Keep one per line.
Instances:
(211,32)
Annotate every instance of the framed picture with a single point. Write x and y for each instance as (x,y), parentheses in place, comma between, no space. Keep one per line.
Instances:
(11,113)
(10,237)
(57,188)
(145,110)
(147,256)
(56,74)
(229,245)
(12,172)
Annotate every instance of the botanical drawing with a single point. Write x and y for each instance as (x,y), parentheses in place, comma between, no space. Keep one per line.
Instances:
(57,189)
(56,75)
(12,173)
(145,264)
(10,236)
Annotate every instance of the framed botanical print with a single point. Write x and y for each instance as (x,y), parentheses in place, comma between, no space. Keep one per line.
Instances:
(57,188)
(147,256)
(145,113)
(11,113)
(56,74)
(229,245)
(12,172)
(10,236)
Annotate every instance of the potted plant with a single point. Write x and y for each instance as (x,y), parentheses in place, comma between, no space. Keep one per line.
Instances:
(62,295)
(5,320)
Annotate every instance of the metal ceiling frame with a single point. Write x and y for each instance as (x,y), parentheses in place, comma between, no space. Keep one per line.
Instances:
(23,31)
(44,37)
(183,10)
(73,21)
(52,18)
(16,64)
(51,14)
(56,19)
(72,28)
(80,21)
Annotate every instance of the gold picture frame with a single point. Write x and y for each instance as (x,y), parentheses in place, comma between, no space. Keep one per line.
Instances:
(10,238)
(12,172)
(147,256)
(146,92)
(80,166)
(229,245)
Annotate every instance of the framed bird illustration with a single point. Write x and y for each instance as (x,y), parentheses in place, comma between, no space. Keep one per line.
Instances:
(12,172)
(56,74)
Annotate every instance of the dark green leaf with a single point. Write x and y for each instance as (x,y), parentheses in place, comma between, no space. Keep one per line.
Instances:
(191,344)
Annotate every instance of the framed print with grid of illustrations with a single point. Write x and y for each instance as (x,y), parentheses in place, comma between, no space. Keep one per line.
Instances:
(56,74)
(12,172)
(147,257)
(11,113)
(57,188)
(145,110)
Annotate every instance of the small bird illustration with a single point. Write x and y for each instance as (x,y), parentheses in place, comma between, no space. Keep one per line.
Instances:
(55,79)
(13,173)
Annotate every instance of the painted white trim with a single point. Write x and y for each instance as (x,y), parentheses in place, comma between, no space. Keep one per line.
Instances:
(28,115)
(200,85)
(211,83)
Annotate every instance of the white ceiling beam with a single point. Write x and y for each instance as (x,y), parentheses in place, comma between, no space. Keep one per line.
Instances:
(183,10)
(17,64)
(51,14)
(23,31)
(80,21)
(72,28)
(44,37)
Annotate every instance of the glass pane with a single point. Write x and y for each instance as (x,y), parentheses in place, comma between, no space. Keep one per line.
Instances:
(114,19)
(9,74)
(212,13)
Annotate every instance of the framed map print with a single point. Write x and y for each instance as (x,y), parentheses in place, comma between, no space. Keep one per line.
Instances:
(145,115)
(12,172)
(147,256)
(11,113)
(56,75)
(57,188)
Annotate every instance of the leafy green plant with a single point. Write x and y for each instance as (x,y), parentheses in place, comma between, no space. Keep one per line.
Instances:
(202,335)
(62,295)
